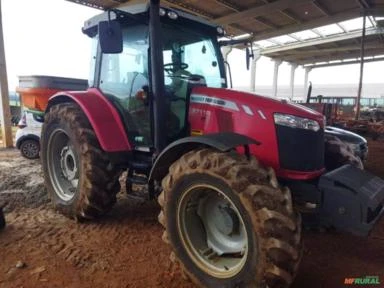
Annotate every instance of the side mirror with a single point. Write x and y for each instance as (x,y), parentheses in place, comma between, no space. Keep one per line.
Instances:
(110,37)
(248,56)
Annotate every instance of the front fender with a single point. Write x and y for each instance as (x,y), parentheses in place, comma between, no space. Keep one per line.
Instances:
(221,141)
(102,115)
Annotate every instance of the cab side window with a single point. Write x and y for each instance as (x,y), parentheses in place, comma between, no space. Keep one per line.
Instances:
(123,77)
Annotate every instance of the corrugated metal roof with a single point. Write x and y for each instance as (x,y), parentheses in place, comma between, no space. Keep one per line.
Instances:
(264,18)
(302,21)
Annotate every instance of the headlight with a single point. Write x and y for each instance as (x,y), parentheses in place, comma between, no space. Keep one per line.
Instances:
(162,12)
(296,122)
(173,15)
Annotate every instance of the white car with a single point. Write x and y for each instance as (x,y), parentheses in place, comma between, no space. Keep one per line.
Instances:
(28,135)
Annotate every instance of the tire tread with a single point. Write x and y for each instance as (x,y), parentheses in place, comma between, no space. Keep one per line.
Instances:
(270,206)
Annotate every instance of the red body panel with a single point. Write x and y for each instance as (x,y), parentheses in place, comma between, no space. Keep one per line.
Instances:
(250,115)
(240,112)
(104,118)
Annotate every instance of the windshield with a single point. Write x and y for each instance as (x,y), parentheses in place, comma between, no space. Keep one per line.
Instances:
(187,52)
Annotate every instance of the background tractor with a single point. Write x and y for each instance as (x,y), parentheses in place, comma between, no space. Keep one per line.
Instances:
(158,78)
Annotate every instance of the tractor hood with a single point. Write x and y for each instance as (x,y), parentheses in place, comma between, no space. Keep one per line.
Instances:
(294,152)
(252,104)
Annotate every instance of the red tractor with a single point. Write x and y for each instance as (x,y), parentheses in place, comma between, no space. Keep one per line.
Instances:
(158,78)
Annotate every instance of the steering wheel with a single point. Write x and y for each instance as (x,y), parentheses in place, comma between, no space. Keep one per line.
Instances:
(170,67)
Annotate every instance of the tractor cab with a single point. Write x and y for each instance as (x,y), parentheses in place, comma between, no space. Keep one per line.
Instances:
(191,57)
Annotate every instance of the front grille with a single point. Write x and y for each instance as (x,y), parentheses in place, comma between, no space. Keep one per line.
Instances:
(300,149)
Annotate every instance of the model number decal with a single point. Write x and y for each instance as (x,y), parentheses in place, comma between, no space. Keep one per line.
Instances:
(212,101)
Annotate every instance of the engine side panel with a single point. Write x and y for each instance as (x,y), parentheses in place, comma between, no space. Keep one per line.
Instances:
(102,115)
(224,110)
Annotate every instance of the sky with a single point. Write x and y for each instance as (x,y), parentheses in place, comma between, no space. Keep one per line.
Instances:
(43,37)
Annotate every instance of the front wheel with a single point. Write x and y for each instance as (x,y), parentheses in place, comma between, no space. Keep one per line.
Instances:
(80,179)
(228,222)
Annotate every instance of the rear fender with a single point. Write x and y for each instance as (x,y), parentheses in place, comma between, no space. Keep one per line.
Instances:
(220,141)
(102,115)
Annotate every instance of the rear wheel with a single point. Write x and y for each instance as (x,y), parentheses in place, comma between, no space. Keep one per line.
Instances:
(228,222)
(79,177)
(338,153)
(30,149)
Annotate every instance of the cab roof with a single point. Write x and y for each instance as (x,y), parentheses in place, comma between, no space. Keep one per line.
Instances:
(140,9)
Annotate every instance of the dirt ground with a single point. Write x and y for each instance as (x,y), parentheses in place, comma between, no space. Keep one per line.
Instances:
(125,248)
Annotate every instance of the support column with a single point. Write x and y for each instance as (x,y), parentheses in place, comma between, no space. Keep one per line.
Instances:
(292,83)
(306,77)
(275,77)
(4,97)
(256,56)
(362,55)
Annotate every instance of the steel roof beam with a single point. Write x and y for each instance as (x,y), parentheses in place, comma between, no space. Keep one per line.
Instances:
(286,13)
(266,22)
(336,57)
(325,50)
(274,42)
(257,11)
(366,5)
(310,24)
(342,16)
(320,6)
(317,32)
(291,16)
(258,19)
(378,10)
(310,58)
(228,5)
(204,14)
(190,9)
(296,38)
(328,39)
(373,22)
(342,27)
(343,63)
(363,4)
